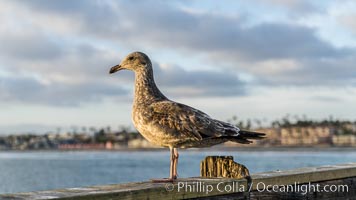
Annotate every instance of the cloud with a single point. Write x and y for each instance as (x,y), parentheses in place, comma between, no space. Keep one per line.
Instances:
(183,83)
(295,7)
(223,40)
(268,56)
(31,90)
(54,58)
(172,27)
(28,46)
(328,71)
(49,68)
(306,72)
(174,80)
(214,35)
(327,99)
(348,20)
(79,53)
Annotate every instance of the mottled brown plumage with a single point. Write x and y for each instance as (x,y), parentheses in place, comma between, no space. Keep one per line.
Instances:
(170,124)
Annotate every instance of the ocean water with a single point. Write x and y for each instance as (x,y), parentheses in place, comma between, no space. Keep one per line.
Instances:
(33,171)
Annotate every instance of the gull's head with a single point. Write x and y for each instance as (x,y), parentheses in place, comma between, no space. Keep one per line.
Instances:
(135,61)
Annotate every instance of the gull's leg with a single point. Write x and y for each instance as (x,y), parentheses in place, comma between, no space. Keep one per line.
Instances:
(175,163)
(171,168)
(172,172)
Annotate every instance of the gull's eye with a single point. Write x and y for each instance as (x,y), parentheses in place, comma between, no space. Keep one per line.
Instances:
(131,58)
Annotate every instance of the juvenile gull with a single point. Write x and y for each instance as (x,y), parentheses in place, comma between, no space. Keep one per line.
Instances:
(170,124)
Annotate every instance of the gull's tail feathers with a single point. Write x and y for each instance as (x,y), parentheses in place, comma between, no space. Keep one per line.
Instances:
(245,137)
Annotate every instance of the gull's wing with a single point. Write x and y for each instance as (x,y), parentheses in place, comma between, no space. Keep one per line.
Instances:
(189,121)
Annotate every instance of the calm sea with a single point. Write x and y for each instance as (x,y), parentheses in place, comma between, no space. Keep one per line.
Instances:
(30,171)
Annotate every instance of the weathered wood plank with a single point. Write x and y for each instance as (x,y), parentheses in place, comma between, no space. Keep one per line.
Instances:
(345,173)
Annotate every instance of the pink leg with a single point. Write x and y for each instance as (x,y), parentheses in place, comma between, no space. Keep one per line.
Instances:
(171,169)
(175,163)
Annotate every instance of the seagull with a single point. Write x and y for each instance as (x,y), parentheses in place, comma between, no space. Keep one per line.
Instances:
(166,123)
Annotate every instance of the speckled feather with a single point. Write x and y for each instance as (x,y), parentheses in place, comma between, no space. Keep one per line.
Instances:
(171,124)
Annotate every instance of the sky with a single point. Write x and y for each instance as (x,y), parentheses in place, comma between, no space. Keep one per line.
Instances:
(258,59)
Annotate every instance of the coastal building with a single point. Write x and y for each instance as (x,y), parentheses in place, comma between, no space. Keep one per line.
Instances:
(344,140)
(308,136)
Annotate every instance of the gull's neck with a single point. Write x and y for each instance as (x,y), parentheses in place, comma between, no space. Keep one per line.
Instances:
(146,91)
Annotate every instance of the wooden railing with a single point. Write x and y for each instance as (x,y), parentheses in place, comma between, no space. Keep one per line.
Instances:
(325,182)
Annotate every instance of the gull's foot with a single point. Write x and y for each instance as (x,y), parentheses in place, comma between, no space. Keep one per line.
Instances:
(164,180)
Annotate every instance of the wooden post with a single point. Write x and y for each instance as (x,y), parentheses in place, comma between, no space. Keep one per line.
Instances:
(224,167)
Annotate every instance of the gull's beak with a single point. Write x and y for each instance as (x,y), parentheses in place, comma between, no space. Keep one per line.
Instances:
(115,69)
